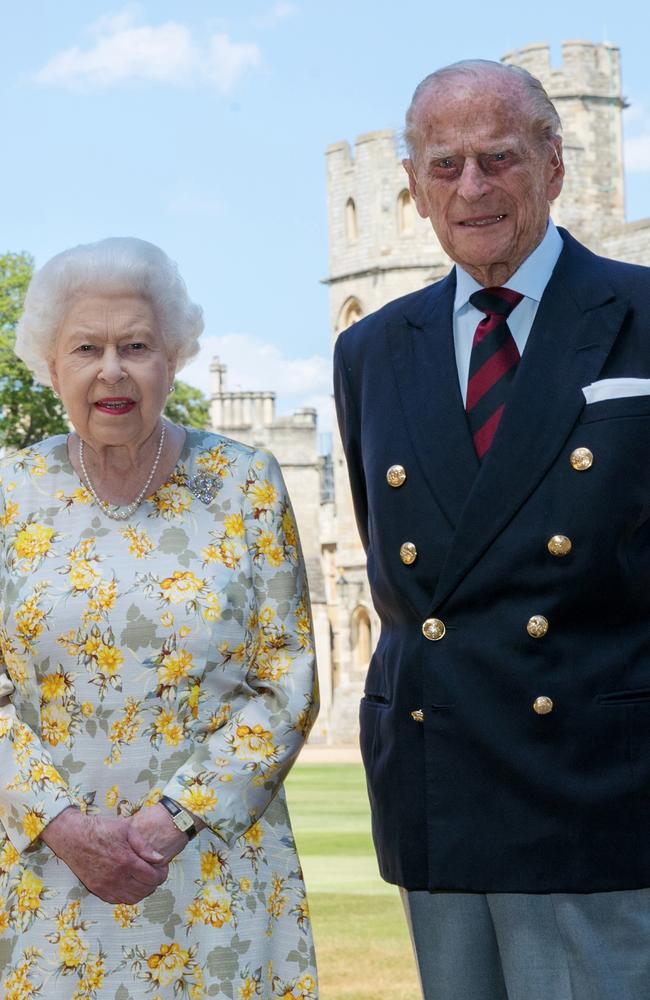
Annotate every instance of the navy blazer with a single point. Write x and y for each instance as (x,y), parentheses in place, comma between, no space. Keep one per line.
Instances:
(484,794)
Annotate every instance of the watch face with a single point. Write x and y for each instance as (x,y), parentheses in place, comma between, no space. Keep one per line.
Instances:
(183,821)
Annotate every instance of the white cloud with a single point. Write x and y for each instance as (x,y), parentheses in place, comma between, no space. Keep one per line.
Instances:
(280,11)
(257,366)
(122,49)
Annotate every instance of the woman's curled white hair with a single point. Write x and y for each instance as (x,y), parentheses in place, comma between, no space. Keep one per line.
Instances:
(120,265)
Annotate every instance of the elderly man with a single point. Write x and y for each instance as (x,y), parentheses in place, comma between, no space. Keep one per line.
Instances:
(497,431)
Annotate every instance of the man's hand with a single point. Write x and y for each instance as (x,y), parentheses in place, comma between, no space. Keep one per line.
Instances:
(156,827)
(111,857)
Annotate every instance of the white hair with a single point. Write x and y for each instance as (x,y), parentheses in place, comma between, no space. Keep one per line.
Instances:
(115,266)
(544,120)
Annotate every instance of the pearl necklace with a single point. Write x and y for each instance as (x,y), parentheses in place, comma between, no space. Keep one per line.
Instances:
(120,513)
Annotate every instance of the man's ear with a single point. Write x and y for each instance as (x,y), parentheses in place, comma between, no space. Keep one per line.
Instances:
(414,188)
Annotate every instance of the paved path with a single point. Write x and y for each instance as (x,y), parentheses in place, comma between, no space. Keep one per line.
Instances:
(321,754)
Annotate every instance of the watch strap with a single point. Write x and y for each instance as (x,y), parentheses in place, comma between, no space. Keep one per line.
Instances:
(180,817)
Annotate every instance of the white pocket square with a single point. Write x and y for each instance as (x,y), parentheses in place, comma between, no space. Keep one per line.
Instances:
(616,388)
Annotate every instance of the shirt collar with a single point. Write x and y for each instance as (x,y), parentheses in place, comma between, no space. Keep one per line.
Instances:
(530,278)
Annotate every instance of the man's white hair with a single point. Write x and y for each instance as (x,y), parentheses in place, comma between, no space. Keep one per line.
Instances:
(116,266)
(544,120)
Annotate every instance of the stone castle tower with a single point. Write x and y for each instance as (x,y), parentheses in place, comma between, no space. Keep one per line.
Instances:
(380,249)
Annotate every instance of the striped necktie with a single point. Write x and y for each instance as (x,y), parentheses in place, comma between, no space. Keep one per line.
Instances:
(492,365)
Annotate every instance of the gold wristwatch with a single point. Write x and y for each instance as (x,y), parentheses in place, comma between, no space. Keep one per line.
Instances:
(181,819)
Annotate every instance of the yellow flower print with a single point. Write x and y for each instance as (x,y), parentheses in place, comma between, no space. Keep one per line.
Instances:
(263,495)
(55,724)
(4,916)
(112,795)
(53,686)
(234,525)
(193,700)
(272,665)
(87,708)
(38,466)
(266,545)
(215,461)
(102,601)
(211,865)
(92,644)
(140,545)
(16,666)
(82,495)
(153,797)
(277,901)
(266,616)
(254,743)
(289,528)
(33,823)
(184,631)
(83,575)
(109,659)
(210,554)
(124,730)
(93,978)
(125,915)
(167,964)
(167,619)
(32,543)
(166,725)
(18,985)
(29,893)
(175,667)
(29,617)
(72,948)
(9,857)
(10,514)
(199,799)
(245,884)
(254,835)
(216,909)
(181,587)
(172,500)
(212,609)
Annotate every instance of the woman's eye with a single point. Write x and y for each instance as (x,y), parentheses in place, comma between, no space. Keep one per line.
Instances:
(137,347)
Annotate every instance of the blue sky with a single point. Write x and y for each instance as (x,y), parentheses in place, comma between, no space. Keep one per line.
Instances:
(201,126)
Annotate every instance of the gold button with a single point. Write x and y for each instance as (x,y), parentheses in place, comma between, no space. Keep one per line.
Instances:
(559,545)
(433,629)
(418,715)
(408,553)
(396,475)
(537,626)
(543,705)
(581,459)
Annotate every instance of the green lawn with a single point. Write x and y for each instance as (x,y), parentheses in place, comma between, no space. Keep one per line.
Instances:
(362,944)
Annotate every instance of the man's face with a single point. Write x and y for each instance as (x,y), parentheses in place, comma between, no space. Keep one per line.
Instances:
(481,177)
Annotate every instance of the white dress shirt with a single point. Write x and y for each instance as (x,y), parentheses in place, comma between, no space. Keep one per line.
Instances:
(530,279)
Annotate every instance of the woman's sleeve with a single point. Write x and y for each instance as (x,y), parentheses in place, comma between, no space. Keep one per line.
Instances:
(32,792)
(234,773)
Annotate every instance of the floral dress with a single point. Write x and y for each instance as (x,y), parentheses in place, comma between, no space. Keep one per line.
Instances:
(168,654)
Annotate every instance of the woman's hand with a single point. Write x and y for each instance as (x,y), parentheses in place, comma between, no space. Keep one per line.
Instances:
(110,856)
(157,828)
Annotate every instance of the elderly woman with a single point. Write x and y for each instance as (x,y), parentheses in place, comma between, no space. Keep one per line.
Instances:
(156,670)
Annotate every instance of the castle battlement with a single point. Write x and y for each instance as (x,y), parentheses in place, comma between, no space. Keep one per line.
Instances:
(587,69)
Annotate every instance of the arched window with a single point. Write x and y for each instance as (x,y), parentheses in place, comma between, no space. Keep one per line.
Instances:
(405,212)
(350,313)
(351,219)
(361,637)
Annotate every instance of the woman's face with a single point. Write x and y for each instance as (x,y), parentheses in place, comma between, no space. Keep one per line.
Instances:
(111,369)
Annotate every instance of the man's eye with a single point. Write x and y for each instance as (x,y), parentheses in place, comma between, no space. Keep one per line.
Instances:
(499,157)
(446,164)
(85,348)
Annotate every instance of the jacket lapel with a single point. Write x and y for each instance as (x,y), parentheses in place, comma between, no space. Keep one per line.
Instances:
(576,325)
(421,346)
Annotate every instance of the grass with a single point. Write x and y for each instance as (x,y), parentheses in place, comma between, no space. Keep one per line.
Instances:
(362,943)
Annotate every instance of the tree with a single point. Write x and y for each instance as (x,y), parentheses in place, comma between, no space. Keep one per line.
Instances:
(28,411)
(188,406)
